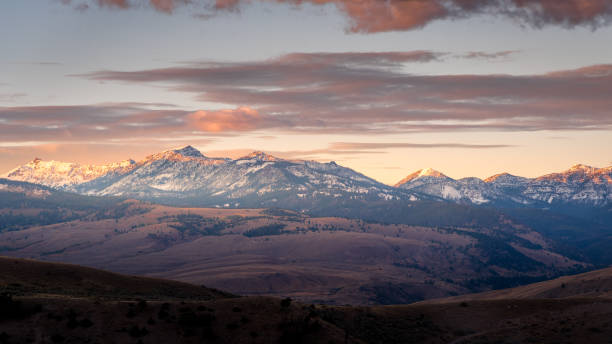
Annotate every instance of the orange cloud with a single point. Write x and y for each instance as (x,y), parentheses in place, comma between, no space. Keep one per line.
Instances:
(352,92)
(371,16)
(226,4)
(240,119)
(379,16)
(114,3)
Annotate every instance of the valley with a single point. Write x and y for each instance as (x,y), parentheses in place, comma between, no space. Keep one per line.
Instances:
(284,253)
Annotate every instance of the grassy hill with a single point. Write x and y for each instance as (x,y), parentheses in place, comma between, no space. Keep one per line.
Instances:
(61,303)
(29,277)
(287,254)
(593,284)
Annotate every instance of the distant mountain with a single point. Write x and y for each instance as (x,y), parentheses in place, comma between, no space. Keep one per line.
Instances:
(64,175)
(580,185)
(23,205)
(185,176)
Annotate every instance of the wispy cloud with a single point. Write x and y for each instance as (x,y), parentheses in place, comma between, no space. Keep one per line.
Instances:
(370,16)
(375,93)
(86,122)
(387,145)
(488,55)
(353,148)
(11,97)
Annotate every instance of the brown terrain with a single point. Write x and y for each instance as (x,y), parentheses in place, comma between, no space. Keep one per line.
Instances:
(58,303)
(286,254)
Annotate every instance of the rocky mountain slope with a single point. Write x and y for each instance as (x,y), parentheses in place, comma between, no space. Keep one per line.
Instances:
(185,176)
(580,185)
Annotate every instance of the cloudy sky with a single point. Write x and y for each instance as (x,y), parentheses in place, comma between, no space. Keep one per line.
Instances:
(468,87)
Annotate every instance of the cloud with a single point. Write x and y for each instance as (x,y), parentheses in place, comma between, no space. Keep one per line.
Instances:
(388,145)
(355,148)
(121,122)
(11,97)
(373,59)
(488,56)
(370,16)
(240,119)
(377,93)
(114,3)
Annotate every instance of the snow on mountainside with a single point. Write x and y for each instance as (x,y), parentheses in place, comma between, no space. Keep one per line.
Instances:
(580,184)
(584,185)
(431,182)
(186,176)
(64,174)
(426,172)
(29,190)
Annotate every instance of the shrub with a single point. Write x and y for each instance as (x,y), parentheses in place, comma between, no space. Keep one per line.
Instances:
(285,303)
(57,338)
(136,332)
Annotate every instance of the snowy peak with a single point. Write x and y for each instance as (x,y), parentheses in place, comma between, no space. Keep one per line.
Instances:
(426,172)
(62,174)
(581,167)
(505,178)
(430,172)
(188,151)
(580,174)
(260,156)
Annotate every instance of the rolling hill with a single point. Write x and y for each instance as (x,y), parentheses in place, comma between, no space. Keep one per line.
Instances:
(69,310)
(285,253)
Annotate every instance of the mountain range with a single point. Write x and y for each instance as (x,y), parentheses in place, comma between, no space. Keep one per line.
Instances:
(345,236)
(580,185)
(186,177)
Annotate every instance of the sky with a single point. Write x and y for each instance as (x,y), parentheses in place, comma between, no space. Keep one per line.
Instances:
(386,87)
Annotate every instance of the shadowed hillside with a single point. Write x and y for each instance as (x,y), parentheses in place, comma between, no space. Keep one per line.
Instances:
(59,303)
(594,284)
(30,277)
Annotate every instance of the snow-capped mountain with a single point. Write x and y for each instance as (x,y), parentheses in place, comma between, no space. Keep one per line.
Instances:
(580,184)
(61,175)
(186,176)
(583,185)
(431,182)
(25,189)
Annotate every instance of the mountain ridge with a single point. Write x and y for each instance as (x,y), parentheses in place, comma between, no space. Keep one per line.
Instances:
(185,176)
(580,184)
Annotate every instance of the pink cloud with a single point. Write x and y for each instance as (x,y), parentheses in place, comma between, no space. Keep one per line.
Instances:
(353,92)
(114,3)
(370,16)
(240,119)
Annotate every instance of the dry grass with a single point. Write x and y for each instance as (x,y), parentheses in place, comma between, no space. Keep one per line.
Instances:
(63,307)
(325,260)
